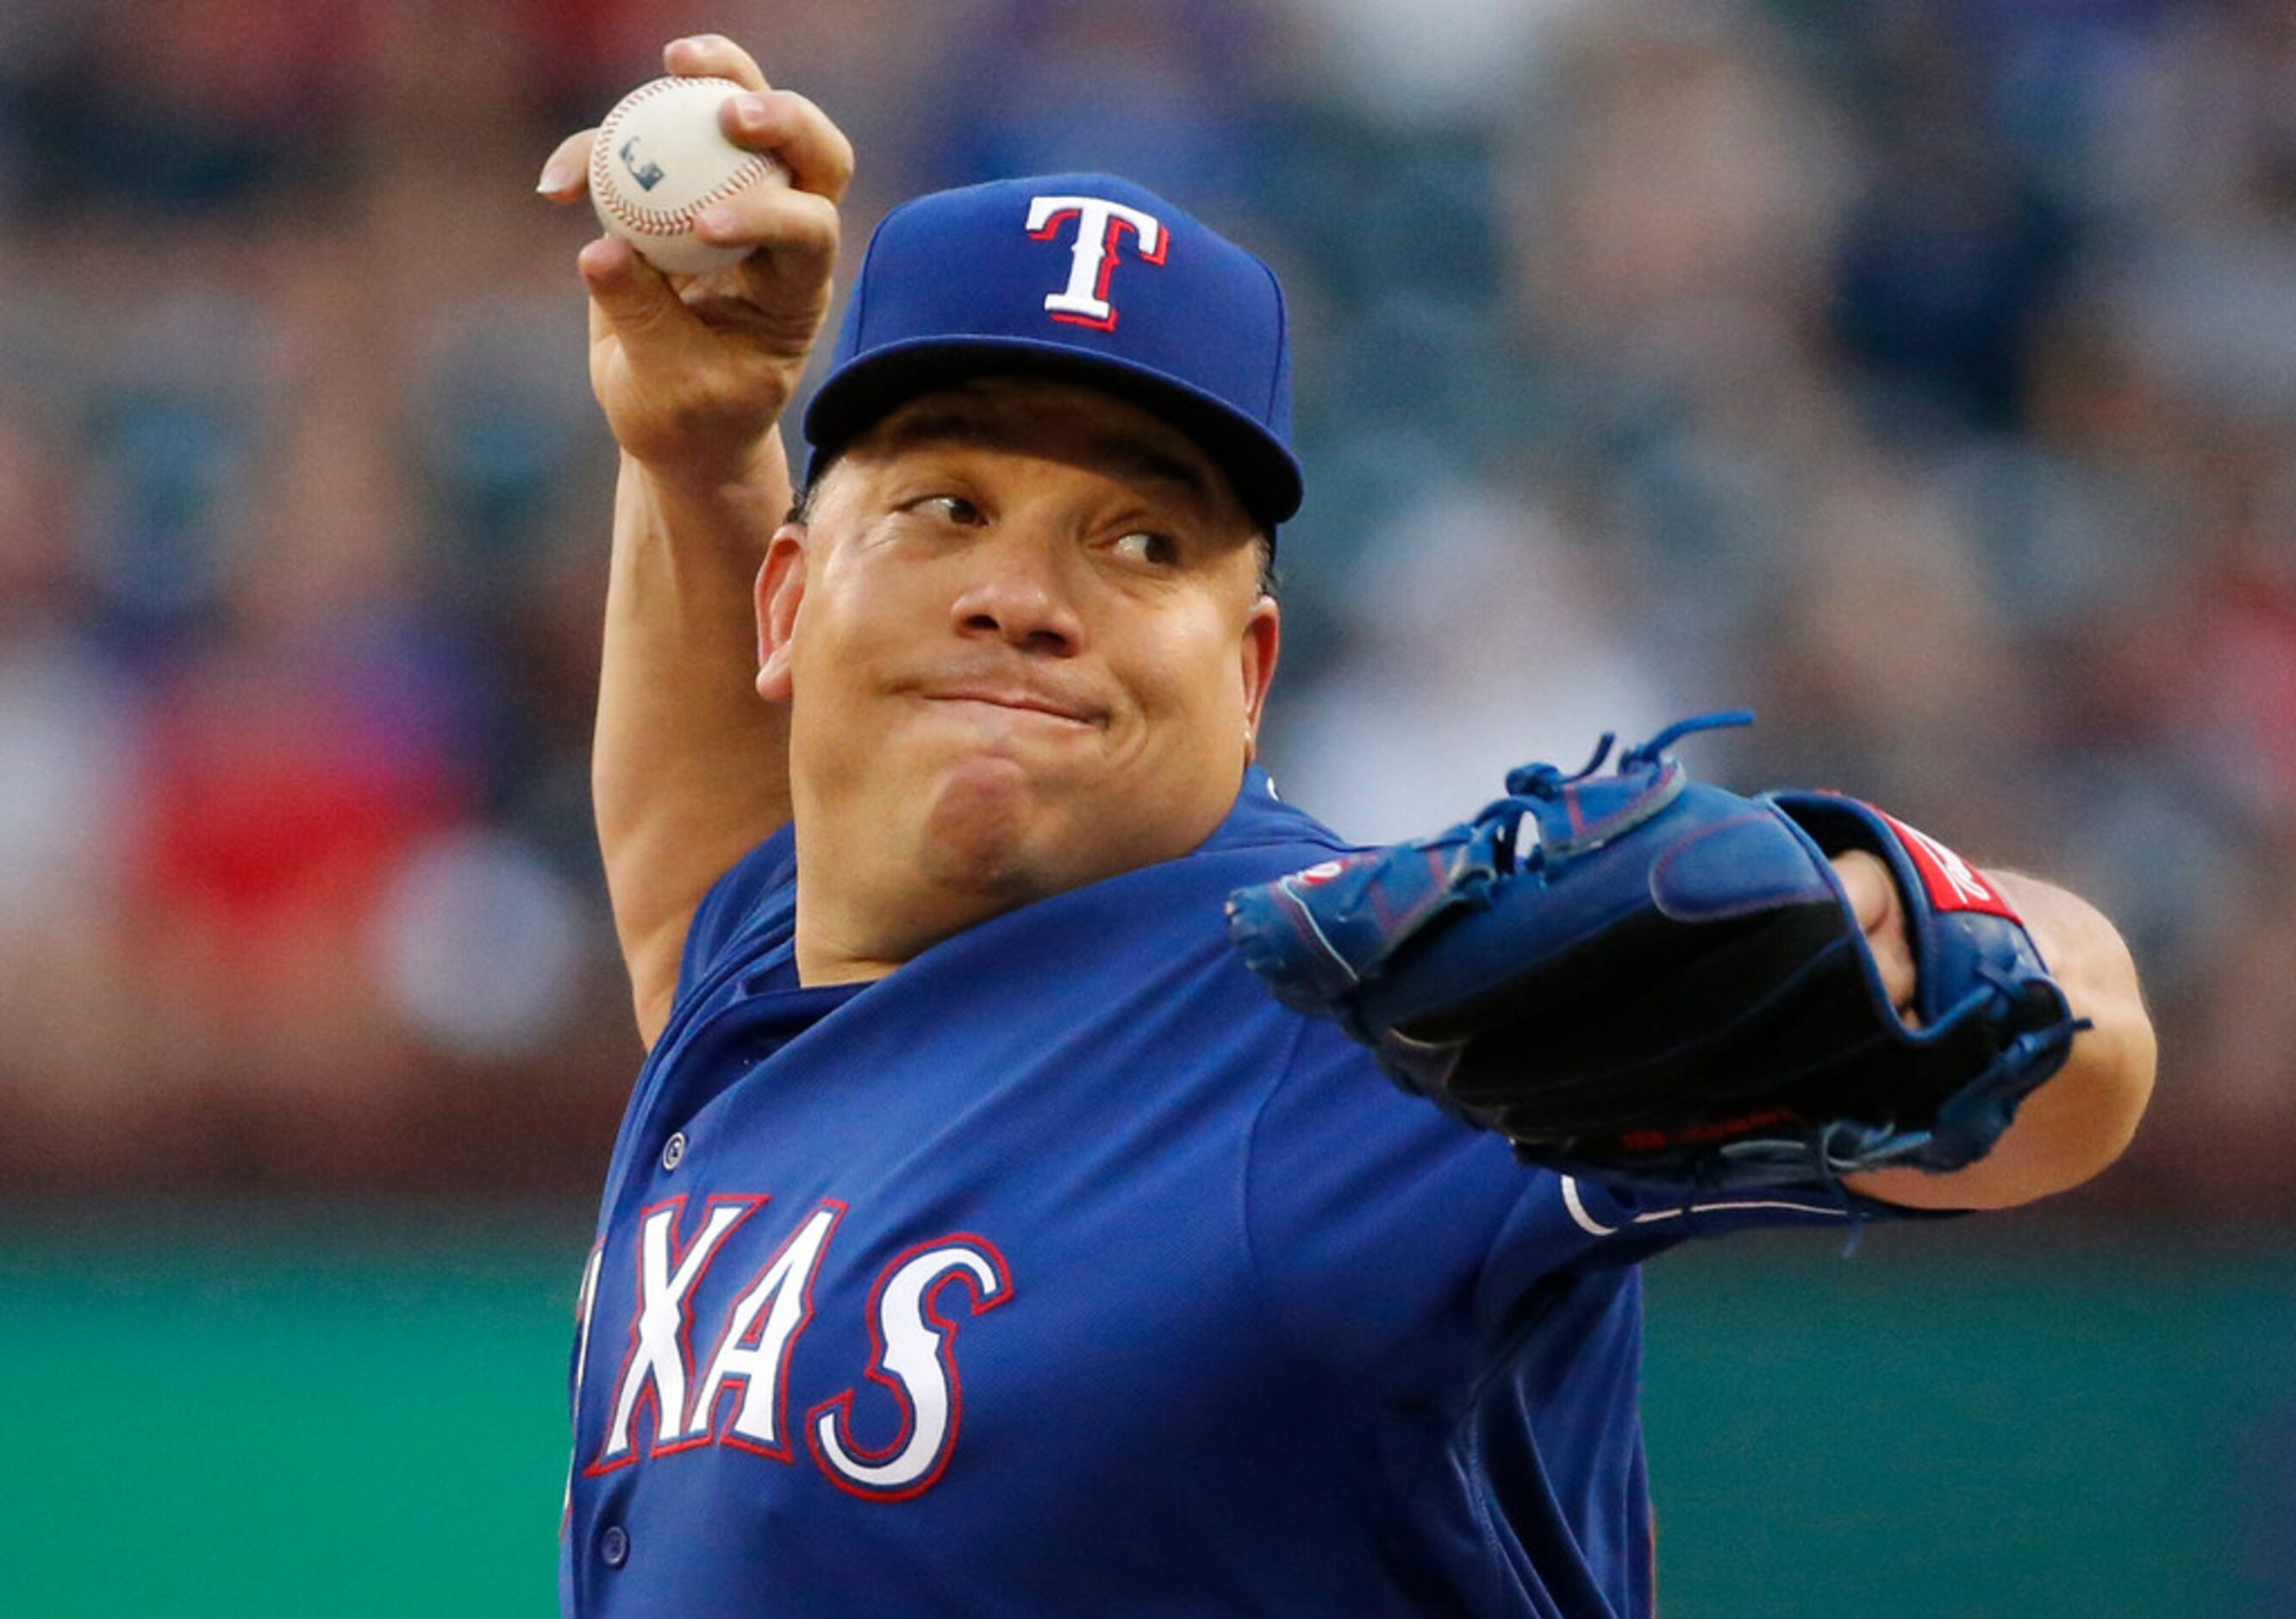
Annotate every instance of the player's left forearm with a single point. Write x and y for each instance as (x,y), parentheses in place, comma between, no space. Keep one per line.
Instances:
(2080,1121)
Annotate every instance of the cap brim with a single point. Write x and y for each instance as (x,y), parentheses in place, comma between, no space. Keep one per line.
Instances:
(1265,474)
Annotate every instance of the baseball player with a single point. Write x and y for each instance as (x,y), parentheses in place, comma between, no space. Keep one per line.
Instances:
(982,1236)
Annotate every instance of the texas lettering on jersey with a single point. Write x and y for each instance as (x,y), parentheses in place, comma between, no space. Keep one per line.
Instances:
(736,1393)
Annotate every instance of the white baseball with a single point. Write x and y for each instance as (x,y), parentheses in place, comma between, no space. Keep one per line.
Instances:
(658,160)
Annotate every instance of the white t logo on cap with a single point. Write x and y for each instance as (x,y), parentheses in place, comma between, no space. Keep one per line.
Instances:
(1092,261)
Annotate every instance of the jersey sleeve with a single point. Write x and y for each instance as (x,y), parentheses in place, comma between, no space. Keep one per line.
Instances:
(736,903)
(1374,1218)
(1376,1221)
(1633,1222)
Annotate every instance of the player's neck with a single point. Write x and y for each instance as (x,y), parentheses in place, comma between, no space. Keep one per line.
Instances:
(831,948)
(861,915)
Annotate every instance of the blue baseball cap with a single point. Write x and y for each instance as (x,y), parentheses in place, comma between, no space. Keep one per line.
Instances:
(1081,277)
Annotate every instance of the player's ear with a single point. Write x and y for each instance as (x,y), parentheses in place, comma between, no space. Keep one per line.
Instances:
(780,587)
(1262,641)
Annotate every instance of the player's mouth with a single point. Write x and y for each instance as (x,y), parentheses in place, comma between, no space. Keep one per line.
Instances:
(1020,700)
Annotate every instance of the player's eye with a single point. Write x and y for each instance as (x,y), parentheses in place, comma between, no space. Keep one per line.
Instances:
(1149,549)
(948,508)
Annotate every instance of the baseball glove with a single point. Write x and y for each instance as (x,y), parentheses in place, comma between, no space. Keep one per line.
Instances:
(1670,984)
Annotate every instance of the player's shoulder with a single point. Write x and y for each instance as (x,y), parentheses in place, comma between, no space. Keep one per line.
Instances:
(754,904)
(1265,832)
(1262,815)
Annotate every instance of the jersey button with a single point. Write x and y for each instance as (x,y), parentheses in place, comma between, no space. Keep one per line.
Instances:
(673,1151)
(614,1545)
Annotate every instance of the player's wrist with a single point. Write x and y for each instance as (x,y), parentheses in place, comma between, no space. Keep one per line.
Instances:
(737,502)
(739,477)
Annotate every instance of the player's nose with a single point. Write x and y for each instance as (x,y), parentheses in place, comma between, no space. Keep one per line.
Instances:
(1022,591)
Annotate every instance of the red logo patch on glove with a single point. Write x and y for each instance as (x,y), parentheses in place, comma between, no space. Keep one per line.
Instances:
(1953,884)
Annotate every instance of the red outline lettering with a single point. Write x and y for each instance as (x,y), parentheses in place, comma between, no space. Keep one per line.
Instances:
(651,1392)
(719,1432)
(1109,253)
(840,1406)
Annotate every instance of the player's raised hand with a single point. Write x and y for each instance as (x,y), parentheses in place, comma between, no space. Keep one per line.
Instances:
(692,372)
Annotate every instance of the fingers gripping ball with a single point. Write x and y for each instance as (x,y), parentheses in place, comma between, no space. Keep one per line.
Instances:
(1671,984)
(658,160)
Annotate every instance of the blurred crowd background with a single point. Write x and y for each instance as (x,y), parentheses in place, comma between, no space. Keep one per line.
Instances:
(1921,375)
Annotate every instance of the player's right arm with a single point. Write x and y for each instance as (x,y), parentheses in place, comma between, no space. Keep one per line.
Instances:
(689,769)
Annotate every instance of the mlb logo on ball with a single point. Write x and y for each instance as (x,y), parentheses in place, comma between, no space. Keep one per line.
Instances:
(644,170)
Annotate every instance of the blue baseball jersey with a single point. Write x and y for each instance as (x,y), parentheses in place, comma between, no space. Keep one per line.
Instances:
(1064,1272)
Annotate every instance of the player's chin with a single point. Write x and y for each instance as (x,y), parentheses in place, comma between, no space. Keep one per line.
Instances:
(990,818)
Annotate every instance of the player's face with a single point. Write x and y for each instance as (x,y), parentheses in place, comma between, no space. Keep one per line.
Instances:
(1024,646)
